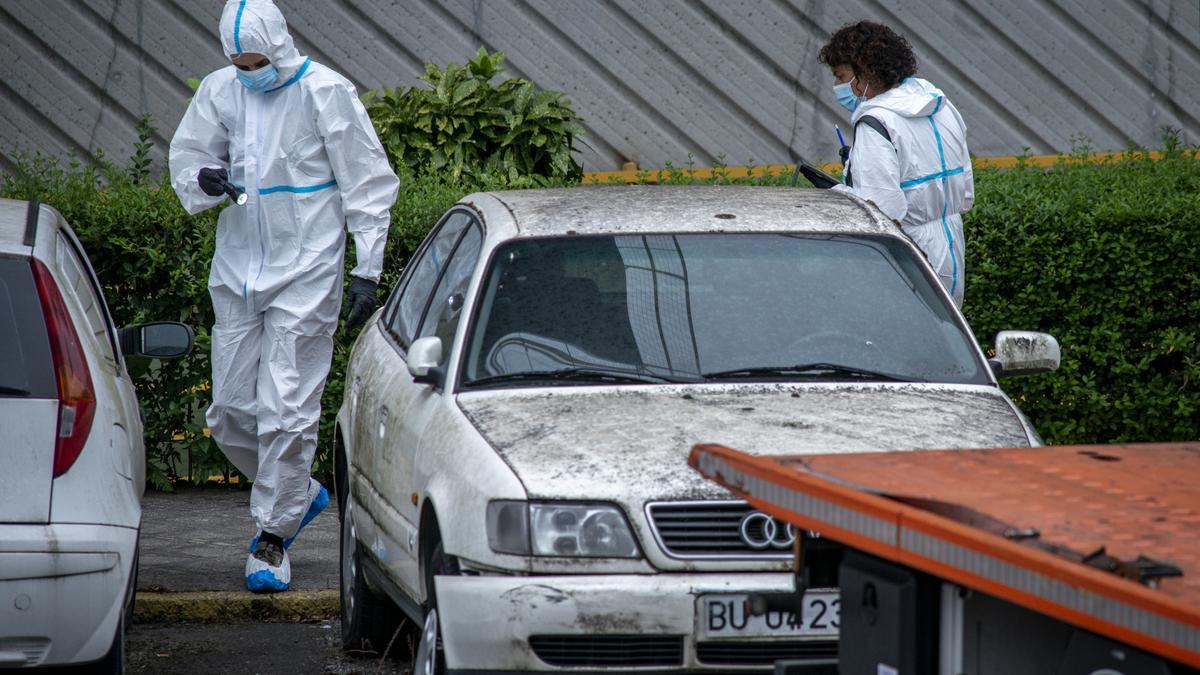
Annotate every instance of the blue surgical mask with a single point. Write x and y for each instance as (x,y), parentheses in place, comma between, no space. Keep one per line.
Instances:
(846,96)
(260,79)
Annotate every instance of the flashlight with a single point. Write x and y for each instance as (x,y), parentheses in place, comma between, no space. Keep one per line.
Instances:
(235,194)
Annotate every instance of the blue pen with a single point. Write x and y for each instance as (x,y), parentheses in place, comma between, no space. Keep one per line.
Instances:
(841,141)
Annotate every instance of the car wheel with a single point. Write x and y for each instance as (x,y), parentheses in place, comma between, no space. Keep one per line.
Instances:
(429,659)
(369,623)
(341,484)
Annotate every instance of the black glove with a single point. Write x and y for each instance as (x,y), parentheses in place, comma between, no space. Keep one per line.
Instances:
(359,303)
(213,181)
(844,153)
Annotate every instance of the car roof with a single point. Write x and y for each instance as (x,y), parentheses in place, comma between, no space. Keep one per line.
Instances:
(685,208)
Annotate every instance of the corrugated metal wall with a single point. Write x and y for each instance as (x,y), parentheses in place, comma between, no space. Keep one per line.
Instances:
(656,80)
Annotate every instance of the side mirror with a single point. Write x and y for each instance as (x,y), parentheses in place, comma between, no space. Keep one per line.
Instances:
(424,355)
(1021,352)
(158,340)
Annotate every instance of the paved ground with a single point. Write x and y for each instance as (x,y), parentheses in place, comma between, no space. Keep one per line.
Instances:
(234,649)
(197,539)
(194,615)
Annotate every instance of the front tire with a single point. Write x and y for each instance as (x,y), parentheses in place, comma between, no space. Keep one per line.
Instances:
(133,581)
(430,658)
(369,622)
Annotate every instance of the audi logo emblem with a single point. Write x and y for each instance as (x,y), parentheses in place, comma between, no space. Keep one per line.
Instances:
(761,531)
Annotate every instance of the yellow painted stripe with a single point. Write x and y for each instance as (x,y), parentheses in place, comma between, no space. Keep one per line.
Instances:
(654,175)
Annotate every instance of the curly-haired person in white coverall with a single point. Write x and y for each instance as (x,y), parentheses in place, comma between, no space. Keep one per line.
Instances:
(921,176)
(293,135)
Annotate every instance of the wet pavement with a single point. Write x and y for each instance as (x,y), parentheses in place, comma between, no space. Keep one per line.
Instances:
(237,648)
(197,539)
(194,614)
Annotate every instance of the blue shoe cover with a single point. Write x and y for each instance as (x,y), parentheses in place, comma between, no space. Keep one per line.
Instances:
(315,507)
(261,577)
(318,504)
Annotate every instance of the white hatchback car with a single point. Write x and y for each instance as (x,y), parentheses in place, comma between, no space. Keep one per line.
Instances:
(71,441)
(511,451)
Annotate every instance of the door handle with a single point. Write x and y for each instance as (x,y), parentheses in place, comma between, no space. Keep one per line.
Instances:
(383,420)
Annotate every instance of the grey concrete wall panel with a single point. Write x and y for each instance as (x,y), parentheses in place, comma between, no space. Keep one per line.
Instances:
(656,80)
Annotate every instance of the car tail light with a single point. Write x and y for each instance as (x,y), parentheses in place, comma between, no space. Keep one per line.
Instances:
(76,396)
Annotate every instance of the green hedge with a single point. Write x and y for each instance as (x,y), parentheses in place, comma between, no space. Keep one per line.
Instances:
(1107,259)
(1102,256)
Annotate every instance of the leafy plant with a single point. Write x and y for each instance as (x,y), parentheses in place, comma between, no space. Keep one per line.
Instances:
(465,125)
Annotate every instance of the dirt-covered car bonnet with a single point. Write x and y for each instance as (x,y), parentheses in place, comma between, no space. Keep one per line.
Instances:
(630,444)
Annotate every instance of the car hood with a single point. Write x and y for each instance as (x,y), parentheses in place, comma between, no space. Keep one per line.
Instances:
(630,444)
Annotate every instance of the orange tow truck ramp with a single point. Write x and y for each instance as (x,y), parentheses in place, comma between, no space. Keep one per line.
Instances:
(1100,538)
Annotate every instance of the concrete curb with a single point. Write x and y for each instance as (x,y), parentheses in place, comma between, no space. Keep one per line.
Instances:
(224,606)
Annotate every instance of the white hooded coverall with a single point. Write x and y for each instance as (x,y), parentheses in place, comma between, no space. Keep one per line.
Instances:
(311,165)
(923,177)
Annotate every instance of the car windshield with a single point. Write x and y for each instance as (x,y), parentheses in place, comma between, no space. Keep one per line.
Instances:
(635,309)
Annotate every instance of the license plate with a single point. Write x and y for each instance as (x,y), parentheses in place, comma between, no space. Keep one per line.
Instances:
(725,615)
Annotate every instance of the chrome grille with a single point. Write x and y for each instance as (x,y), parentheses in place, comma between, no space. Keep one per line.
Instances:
(705,530)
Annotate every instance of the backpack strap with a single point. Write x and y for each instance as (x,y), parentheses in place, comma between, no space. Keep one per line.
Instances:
(875,124)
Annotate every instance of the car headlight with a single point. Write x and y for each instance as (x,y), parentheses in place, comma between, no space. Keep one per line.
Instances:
(559,530)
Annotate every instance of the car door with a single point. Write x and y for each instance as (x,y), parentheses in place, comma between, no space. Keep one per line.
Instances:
(116,397)
(419,431)
(388,397)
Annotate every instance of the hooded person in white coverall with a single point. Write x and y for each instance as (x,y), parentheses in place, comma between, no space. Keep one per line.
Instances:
(294,137)
(921,176)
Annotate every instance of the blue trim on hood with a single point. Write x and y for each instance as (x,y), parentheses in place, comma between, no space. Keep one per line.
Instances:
(293,79)
(237,27)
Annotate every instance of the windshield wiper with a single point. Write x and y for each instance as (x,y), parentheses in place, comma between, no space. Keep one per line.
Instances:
(818,370)
(13,391)
(571,375)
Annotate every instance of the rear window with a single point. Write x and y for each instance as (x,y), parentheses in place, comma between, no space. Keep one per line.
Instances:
(26,367)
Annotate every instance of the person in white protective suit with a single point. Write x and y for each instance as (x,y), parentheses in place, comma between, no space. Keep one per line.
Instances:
(294,137)
(910,154)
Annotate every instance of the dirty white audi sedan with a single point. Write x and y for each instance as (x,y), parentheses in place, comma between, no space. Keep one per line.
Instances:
(511,451)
